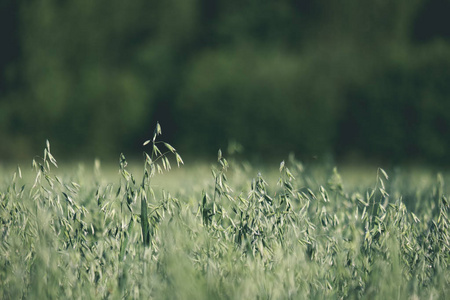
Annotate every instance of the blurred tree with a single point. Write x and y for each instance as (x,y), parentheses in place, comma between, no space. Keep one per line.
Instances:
(83,83)
(290,75)
(9,52)
(399,114)
(432,21)
(264,100)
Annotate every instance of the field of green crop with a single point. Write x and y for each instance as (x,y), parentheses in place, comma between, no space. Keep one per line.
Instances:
(226,232)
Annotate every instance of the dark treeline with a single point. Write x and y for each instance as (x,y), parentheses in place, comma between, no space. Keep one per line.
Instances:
(365,78)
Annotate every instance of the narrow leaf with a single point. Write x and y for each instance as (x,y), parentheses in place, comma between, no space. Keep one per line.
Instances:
(144,220)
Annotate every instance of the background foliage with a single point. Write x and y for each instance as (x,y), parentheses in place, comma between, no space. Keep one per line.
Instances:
(312,77)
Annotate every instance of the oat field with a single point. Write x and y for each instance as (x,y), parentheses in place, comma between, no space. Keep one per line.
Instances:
(225,232)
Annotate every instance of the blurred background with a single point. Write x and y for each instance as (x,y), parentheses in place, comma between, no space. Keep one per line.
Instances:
(367,80)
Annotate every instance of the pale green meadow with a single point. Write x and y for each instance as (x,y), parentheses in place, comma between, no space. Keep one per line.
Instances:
(227,230)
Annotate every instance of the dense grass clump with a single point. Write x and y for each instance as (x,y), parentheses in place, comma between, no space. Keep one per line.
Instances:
(306,236)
